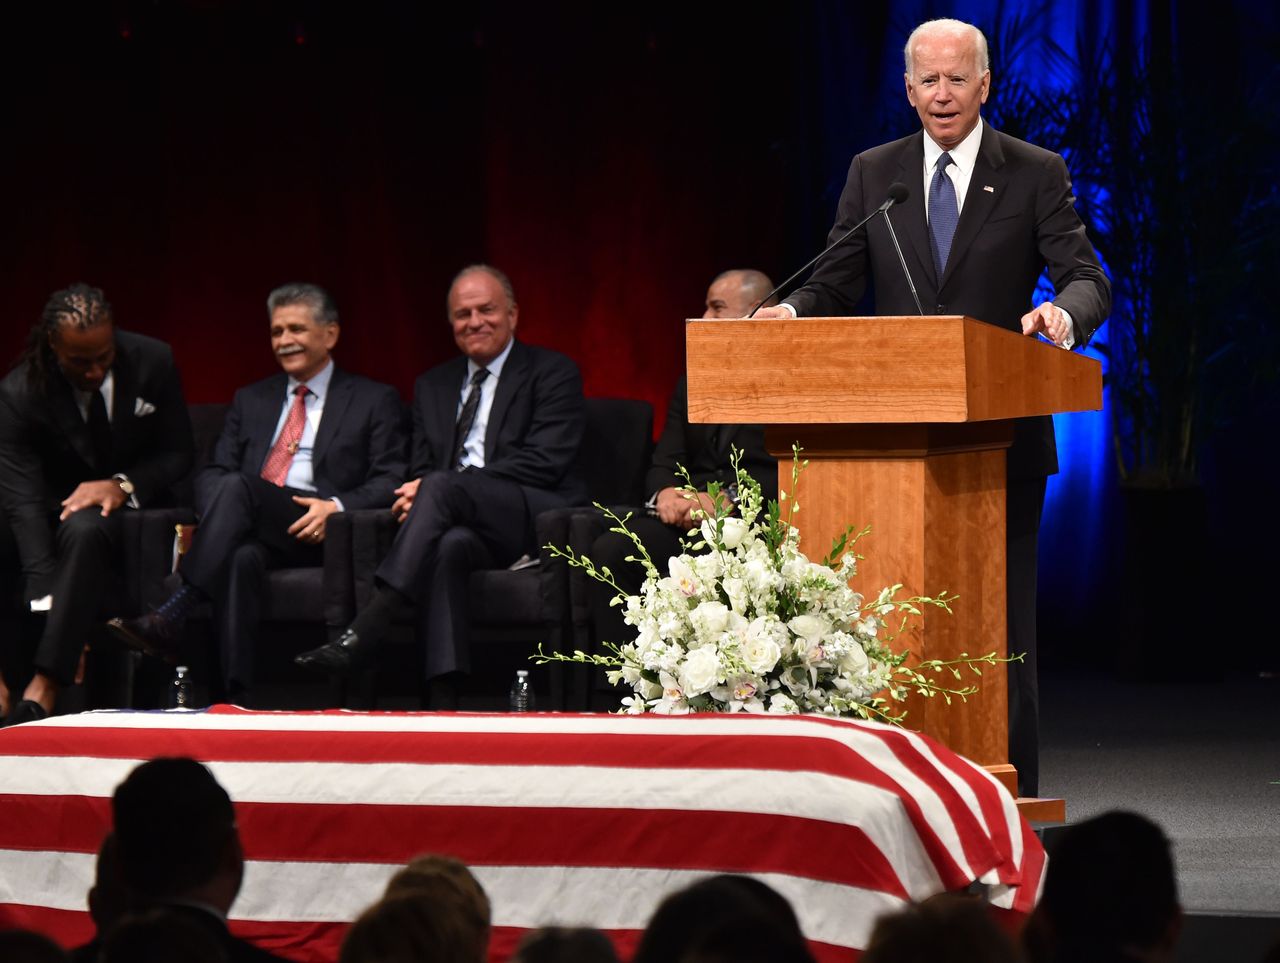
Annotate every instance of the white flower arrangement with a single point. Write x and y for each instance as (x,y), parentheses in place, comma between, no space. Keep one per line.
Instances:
(743,621)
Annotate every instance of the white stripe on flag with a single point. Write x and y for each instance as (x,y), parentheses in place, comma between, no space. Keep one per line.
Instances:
(54,880)
(522,896)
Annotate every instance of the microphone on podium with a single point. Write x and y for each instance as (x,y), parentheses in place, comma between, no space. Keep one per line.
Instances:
(898,193)
(898,247)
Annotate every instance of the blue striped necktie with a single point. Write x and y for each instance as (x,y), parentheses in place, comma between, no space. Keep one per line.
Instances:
(944,213)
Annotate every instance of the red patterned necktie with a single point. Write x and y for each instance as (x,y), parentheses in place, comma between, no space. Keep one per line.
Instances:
(276,468)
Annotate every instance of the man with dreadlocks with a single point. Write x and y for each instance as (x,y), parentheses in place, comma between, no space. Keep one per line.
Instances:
(92,422)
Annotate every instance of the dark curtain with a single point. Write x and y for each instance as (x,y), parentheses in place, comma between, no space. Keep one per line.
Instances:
(187,157)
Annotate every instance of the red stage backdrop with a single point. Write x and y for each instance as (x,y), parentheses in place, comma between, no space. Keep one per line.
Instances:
(189,157)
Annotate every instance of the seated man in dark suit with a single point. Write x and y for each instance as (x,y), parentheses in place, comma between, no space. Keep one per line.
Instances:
(92,421)
(495,441)
(295,448)
(704,450)
(179,847)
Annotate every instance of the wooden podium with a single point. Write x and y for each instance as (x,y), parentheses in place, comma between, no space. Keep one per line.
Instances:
(905,422)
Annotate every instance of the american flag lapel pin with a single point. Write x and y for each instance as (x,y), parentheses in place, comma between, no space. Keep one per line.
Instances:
(988,188)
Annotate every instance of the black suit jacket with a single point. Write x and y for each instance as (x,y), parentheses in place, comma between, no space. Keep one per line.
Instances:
(45,451)
(236,949)
(359,453)
(1019,217)
(534,429)
(704,451)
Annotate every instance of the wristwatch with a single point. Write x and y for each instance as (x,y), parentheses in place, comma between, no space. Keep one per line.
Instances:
(126,486)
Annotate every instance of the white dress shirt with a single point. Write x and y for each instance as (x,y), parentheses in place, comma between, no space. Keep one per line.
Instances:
(473,446)
(302,470)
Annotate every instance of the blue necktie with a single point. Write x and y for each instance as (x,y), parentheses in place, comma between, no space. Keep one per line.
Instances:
(944,213)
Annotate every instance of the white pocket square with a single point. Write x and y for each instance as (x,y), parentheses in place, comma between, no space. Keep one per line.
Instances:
(142,408)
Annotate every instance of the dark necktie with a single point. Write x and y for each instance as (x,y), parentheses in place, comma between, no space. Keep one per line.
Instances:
(100,433)
(280,459)
(944,213)
(467,417)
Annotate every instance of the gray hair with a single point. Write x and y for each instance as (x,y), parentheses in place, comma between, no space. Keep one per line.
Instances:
(311,296)
(947,25)
(488,269)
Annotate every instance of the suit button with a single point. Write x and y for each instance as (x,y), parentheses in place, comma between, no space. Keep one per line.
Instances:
(940,309)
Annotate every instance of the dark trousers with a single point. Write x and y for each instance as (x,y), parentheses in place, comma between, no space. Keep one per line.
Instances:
(1023,508)
(460,522)
(88,547)
(610,550)
(243,533)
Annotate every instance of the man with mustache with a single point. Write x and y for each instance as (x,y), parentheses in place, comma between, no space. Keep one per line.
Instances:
(295,448)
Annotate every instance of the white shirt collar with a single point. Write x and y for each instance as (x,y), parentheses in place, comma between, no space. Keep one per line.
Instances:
(108,391)
(318,385)
(494,366)
(964,154)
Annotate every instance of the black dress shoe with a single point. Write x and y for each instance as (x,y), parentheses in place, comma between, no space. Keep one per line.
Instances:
(150,634)
(26,711)
(348,654)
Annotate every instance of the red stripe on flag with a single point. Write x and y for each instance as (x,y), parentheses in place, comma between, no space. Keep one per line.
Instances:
(492,836)
(1034,859)
(67,928)
(69,824)
(301,942)
(501,836)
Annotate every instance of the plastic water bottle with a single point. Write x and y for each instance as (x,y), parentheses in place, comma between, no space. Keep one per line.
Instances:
(521,692)
(180,689)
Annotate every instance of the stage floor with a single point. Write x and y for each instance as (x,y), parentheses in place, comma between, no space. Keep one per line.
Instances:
(1203,760)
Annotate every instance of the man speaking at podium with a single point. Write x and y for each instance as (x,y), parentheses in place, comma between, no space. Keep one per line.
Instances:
(984,214)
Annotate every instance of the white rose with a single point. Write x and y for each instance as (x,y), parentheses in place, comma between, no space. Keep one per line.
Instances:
(810,627)
(732,532)
(699,672)
(709,620)
(760,652)
(854,662)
